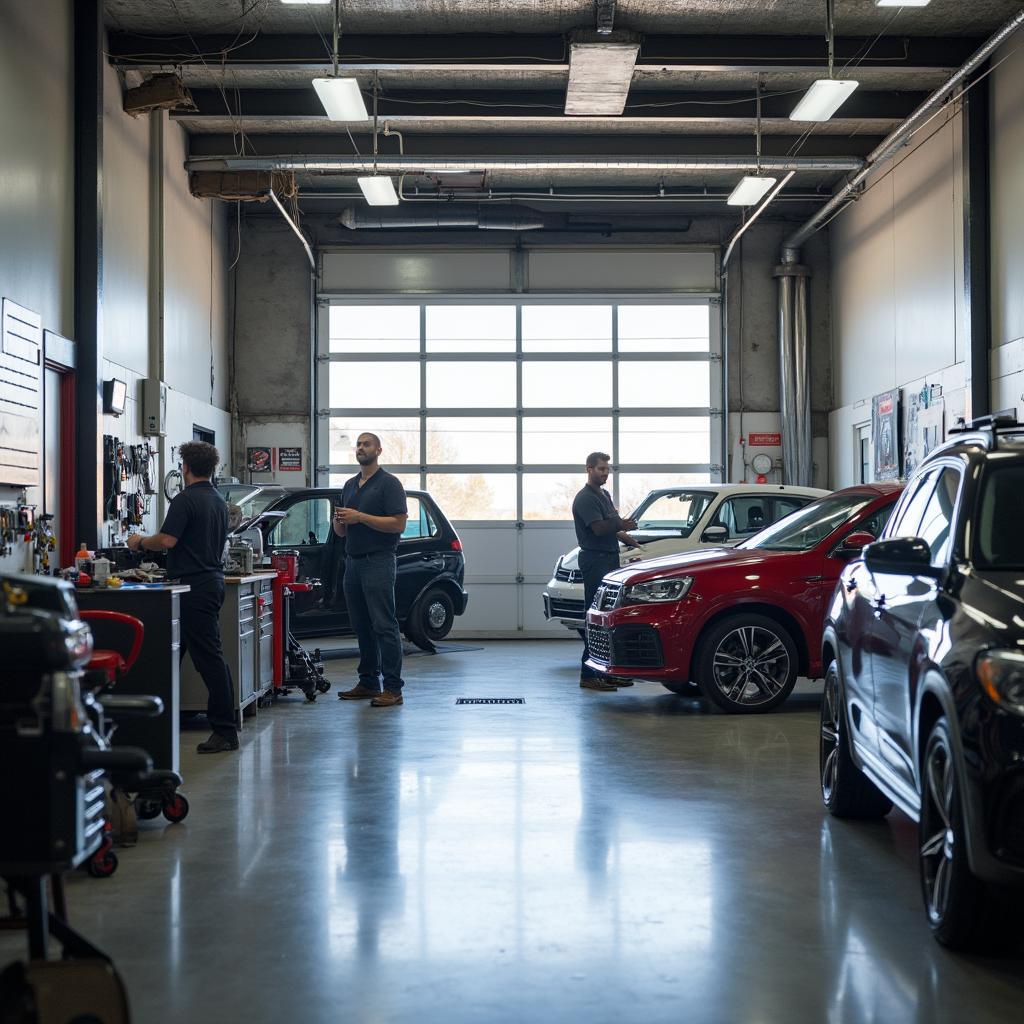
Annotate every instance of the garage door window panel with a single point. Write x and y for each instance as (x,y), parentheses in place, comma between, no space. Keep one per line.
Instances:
(470,329)
(567,385)
(649,384)
(470,496)
(375,385)
(583,328)
(667,439)
(471,385)
(658,328)
(471,440)
(400,437)
(564,440)
(374,328)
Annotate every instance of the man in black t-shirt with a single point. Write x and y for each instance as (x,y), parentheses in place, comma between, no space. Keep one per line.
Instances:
(599,528)
(371,518)
(193,535)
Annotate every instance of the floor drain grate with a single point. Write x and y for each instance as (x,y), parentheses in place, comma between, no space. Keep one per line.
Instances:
(491,700)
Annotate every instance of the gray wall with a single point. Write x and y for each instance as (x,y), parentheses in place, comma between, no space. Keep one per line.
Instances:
(37,235)
(37,165)
(272,327)
(898,286)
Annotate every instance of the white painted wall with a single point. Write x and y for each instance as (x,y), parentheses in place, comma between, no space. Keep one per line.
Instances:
(897,289)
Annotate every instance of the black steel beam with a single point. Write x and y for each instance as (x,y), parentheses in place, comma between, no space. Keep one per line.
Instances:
(88,78)
(625,146)
(977,309)
(781,51)
(504,103)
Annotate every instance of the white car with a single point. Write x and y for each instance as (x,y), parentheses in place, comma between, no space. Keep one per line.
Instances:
(680,519)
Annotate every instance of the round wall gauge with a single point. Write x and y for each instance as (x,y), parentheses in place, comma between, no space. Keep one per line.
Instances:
(762,463)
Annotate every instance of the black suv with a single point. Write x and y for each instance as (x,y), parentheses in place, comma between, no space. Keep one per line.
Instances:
(431,566)
(924,693)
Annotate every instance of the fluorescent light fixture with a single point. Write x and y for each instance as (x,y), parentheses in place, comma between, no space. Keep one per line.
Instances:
(378,190)
(902,3)
(308,3)
(599,77)
(823,99)
(751,190)
(341,99)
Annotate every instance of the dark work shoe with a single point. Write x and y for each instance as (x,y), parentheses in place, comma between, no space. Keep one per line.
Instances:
(358,692)
(387,699)
(617,681)
(597,683)
(217,744)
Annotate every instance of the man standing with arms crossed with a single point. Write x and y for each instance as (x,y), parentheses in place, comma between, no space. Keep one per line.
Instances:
(372,517)
(193,535)
(599,528)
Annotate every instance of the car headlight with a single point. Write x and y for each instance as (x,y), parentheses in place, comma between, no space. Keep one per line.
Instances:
(1001,674)
(658,591)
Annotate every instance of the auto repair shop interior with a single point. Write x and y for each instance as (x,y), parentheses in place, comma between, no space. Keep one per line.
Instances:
(760,259)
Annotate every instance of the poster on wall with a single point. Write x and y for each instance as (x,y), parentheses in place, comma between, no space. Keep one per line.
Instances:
(259,460)
(289,460)
(933,426)
(885,434)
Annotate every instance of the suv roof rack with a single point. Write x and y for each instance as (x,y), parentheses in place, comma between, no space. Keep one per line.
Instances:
(988,427)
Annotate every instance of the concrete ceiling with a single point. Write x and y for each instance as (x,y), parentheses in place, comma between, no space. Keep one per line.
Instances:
(487,79)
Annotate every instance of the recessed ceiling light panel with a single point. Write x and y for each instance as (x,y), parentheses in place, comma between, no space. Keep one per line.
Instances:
(751,190)
(378,190)
(341,99)
(823,99)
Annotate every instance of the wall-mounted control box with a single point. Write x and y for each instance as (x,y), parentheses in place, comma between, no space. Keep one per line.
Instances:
(154,407)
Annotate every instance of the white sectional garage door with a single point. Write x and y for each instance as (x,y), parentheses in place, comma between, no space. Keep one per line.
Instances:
(492,404)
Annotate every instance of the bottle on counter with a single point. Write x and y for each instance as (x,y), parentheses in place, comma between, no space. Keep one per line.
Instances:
(83,559)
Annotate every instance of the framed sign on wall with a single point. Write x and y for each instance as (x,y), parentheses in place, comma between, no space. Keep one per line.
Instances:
(885,434)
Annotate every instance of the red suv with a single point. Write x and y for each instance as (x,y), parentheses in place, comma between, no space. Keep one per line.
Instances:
(738,625)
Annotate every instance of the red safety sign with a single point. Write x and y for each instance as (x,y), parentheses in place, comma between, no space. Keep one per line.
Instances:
(765,441)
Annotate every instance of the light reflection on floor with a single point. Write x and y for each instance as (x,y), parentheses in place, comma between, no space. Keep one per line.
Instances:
(585,856)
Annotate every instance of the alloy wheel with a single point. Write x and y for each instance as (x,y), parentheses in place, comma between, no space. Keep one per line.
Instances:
(830,726)
(939,845)
(751,665)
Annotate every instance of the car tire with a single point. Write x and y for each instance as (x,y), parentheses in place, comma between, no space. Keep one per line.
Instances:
(724,676)
(846,791)
(964,913)
(682,689)
(431,619)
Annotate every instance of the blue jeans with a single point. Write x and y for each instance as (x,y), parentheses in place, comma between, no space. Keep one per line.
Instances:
(370,595)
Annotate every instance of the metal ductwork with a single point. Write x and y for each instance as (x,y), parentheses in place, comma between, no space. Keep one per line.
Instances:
(793,278)
(450,216)
(399,164)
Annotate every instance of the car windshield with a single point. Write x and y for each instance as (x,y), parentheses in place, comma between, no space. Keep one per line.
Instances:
(251,500)
(807,528)
(999,540)
(672,514)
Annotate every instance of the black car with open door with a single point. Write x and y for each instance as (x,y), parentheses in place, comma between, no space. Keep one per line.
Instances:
(924,688)
(429,589)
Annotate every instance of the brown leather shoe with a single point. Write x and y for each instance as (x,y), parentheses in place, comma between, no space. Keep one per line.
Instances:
(387,699)
(597,683)
(358,692)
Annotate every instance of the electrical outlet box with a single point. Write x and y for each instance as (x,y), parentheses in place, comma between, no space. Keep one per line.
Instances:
(154,408)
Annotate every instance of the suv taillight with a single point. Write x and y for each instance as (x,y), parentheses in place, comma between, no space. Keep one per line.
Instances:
(456,544)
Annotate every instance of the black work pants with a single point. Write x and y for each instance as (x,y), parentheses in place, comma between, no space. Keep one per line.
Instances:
(594,565)
(200,637)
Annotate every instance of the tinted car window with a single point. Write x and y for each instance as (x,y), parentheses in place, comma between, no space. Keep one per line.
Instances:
(937,521)
(420,522)
(308,522)
(674,514)
(743,516)
(804,529)
(876,524)
(906,521)
(1000,534)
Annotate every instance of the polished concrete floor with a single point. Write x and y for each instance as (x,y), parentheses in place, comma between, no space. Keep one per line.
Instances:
(623,857)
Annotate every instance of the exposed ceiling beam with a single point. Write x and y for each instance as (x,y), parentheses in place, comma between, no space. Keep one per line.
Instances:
(525,50)
(406,164)
(600,72)
(523,104)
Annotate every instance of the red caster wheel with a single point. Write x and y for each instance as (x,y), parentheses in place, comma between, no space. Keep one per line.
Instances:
(103,864)
(176,809)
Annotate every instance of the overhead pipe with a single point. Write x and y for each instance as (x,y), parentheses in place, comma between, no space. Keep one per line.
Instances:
(401,164)
(449,216)
(794,334)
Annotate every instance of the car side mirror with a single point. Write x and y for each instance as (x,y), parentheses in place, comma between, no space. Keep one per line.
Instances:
(854,543)
(715,535)
(902,556)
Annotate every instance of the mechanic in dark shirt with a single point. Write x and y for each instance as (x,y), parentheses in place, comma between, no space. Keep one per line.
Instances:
(193,535)
(371,518)
(599,528)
